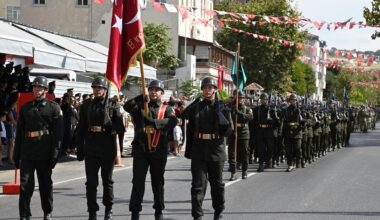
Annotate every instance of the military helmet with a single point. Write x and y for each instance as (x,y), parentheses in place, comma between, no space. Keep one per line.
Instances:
(40,81)
(264,95)
(156,84)
(209,81)
(99,82)
(293,96)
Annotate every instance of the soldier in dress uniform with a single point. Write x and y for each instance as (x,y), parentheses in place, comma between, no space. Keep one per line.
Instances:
(244,115)
(160,121)
(292,131)
(96,144)
(210,124)
(265,120)
(38,140)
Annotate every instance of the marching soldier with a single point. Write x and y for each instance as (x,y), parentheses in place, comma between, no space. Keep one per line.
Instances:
(244,115)
(292,131)
(210,121)
(160,121)
(96,144)
(38,140)
(265,120)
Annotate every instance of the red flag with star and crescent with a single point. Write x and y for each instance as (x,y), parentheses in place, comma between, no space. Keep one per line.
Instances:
(126,40)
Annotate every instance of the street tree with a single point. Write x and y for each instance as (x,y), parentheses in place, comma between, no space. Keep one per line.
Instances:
(157,47)
(372,16)
(266,62)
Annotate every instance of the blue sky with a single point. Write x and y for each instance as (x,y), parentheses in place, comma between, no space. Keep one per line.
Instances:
(340,10)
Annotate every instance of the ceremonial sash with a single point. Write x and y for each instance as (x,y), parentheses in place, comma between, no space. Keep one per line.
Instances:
(157,132)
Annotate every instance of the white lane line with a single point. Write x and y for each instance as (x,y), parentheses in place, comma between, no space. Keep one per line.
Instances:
(238,180)
(83,177)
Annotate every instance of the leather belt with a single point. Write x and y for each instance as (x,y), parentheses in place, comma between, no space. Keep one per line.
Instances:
(33,134)
(204,136)
(151,130)
(241,125)
(96,129)
(264,126)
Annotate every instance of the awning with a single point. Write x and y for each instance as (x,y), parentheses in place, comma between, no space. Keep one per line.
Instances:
(95,61)
(61,52)
(14,41)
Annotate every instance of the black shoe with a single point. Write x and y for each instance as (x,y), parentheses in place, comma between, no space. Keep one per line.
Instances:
(238,166)
(250,160)
(218,215)
(135,216)
(198,218)
(159,217)
(92,216)
(261,168)
(24,218)
(108,215)
(244,175)
(233,177)
(47,216)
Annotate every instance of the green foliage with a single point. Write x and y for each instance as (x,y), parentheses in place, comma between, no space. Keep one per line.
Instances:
(157,46)
(190,88)
(303,79)
(372,16)
(345,79)
(267,63)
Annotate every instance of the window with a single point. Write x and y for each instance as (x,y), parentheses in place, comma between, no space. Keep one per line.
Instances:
(82,2)
(39,2)
(13,13)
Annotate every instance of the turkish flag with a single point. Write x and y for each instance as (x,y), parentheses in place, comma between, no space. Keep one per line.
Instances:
(220,77)
(126,40)
(99,1)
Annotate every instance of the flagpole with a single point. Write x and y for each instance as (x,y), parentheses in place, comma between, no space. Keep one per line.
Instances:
(146,112)
(237,97)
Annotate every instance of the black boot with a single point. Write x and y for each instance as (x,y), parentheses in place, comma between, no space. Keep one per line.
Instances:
(244,175)
(108,214)
(47,216)
(24,218)
(218,215)
(135,216)
(158,215)
(92,216)
(233,177)
(261,168)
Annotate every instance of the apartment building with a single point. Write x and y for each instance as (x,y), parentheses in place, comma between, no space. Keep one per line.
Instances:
(317,57)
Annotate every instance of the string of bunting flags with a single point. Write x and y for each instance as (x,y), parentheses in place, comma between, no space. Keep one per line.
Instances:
(219,19)
(186,13)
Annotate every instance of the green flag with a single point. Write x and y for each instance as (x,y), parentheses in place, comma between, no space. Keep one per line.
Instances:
(242,77)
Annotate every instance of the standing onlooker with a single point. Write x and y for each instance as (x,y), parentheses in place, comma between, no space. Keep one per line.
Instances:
(38,139)
(10,125)
(178,138)
(72,120)
(118,121)
(3,134)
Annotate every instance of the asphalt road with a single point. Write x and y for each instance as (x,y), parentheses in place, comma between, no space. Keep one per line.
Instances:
(342,185)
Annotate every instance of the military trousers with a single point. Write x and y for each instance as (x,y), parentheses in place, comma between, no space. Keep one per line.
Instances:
(156,167)
(293,150)
(44,172)
(265,149)
(231,153)
(202,171)
(92,166)
(243,153)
